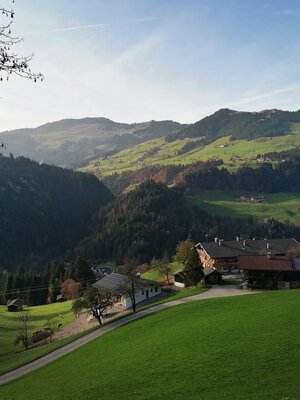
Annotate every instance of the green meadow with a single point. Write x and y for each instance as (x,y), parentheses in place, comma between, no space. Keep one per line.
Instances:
(281,206)
(158,151)
(227,348)
(155,276)
(10,322)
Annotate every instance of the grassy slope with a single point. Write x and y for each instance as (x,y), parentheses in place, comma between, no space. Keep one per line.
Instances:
(231,348)
(154,275)
(282,206)
(240,152)
(9,322)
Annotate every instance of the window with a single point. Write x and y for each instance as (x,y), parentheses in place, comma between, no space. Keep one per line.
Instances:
(143,293)
(156,290)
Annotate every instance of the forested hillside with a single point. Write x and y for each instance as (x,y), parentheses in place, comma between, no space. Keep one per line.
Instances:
(44,210)
(150,220)
(241,125)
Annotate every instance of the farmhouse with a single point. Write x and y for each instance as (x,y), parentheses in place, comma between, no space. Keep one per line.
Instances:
(224,255)
(15,305)
(145,288)
(269,272)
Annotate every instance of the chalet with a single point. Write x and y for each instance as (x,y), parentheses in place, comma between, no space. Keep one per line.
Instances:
(118,283)
(224,255)
(15,305)
(269,272)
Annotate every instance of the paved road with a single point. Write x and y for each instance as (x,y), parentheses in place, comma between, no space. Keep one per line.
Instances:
(221,291)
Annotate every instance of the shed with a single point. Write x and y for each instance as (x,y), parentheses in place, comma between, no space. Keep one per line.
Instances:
(211,276)
(15,305)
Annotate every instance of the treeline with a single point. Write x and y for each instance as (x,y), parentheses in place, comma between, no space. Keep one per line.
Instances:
(165,174)
(150,220)
(44,210)
(284,177)
(41,287)
(241,125)
(282,156)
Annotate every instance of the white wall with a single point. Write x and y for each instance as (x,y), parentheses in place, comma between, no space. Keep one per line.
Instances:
(141,295)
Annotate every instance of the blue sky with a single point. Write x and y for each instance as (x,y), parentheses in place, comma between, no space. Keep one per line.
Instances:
(147,59)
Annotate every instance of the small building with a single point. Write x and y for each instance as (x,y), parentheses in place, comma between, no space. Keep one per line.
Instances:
(118,283)
(178,279)
(60,298)
(211,276)
(269,272)
(223,255)
(15,305)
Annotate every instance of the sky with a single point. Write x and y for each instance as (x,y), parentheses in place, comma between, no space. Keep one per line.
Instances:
(138,60)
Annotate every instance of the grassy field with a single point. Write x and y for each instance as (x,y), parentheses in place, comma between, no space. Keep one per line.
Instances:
(158,151)
(281,206)
(10,322)
(230,348)
(13,361)
(154,275)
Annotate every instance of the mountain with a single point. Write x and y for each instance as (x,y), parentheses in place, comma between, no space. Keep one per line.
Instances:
(44,210)
(241,125)
(72,142)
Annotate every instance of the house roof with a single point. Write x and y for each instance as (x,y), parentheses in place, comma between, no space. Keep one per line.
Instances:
(116,281)
(249,247)
(15,302)
(209,271)
(275,263)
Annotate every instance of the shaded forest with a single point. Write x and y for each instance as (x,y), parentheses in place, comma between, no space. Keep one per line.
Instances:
(44,210)
(150,220)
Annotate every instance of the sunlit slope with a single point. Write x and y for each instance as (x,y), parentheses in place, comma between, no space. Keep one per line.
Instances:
(232,348)
(159,151)
(281,206)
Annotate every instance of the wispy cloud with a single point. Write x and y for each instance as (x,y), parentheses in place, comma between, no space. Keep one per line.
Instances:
(265,95)
(289,12)
(92,26)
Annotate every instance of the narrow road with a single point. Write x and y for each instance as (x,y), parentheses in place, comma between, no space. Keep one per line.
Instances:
(216,291)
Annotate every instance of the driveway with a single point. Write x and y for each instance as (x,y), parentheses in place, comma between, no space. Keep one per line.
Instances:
(214,292)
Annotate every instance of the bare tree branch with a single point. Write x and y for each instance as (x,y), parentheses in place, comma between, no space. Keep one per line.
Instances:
(10,62)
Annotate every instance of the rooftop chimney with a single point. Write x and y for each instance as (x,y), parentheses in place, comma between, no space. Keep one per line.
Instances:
(269,255)
(220,242)
(244,243)
(268,246)
(216,239)
(237,238)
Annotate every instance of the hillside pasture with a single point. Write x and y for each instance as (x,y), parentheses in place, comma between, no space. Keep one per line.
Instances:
(160,152)
(10,322)
(281,206)
(226,348)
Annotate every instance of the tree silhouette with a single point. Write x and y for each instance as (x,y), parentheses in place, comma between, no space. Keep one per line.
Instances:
(10,62)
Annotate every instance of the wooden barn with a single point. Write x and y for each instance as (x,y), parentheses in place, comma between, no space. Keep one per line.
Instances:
(211,276)
(269,272)
(15,305)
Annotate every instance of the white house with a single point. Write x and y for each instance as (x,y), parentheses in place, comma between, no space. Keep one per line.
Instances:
(145,288)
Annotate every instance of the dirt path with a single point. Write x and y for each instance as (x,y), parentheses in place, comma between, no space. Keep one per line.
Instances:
(80,324)
(222,291)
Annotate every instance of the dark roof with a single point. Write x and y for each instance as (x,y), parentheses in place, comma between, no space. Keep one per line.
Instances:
(275,263)
(249,247)
(115,281)
(15,302)
(209,271)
